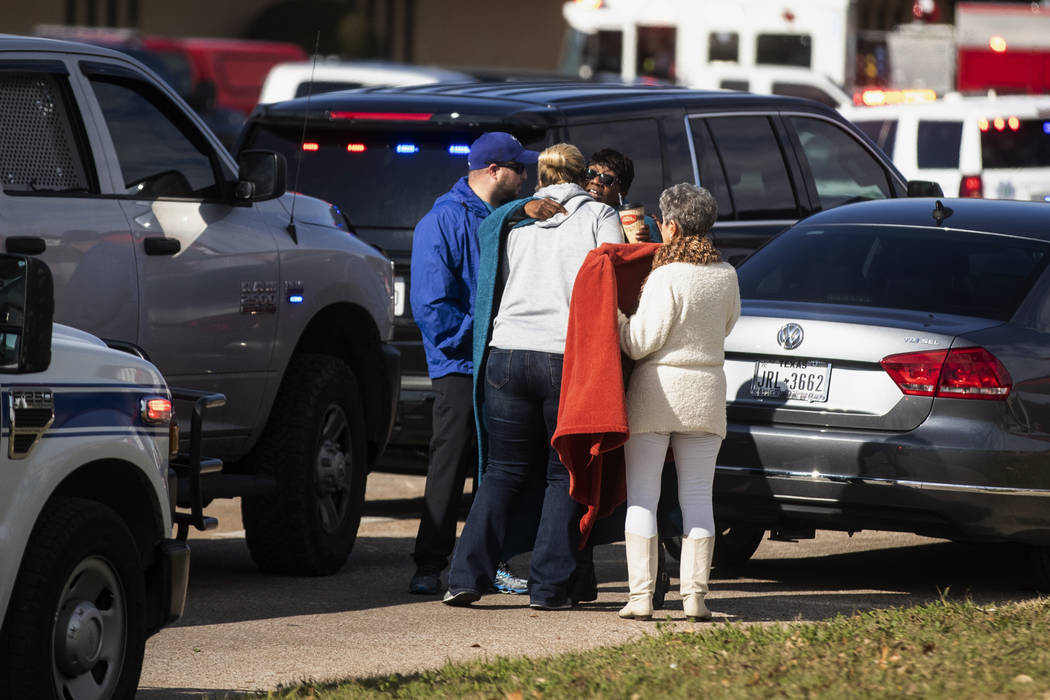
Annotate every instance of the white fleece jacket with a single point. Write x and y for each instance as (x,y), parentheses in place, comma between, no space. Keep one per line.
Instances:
(678,336)
(540,267)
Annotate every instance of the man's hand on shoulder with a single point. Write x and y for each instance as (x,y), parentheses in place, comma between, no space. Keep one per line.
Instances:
(543,209)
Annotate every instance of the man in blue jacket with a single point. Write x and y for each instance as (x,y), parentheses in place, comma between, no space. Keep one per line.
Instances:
(444,271)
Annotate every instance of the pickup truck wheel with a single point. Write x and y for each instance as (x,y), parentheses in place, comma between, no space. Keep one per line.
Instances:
(315,447)
(76,625)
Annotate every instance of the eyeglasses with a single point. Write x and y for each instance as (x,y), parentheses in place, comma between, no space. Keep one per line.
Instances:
(606,179)
(519,168)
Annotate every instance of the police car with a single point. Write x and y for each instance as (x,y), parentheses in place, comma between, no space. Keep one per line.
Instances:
(996,147)
(88,568)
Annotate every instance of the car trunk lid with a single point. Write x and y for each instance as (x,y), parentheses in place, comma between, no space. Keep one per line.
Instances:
(787,364)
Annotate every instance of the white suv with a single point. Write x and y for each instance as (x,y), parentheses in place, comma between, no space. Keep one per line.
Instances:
(994,147)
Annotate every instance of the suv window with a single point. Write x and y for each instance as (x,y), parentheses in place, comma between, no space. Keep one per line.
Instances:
(938,143)
(843,170)
(747,157)
(158,157)
(882,131)
(639,140)
(1028,146)
(39,151)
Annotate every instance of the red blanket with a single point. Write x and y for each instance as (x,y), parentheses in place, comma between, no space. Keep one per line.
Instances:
(592,411)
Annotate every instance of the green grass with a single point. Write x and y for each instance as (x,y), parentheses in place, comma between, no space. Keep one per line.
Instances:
(938,650)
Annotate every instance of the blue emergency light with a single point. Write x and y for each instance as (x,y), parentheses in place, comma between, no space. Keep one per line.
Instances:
(459,149)
(406,148)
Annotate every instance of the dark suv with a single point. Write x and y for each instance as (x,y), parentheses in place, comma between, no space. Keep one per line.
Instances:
(384,154)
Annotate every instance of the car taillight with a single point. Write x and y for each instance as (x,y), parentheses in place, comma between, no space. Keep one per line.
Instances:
(962,373)
(971,186)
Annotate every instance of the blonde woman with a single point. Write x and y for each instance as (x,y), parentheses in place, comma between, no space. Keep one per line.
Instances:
(677,391)
(518,380)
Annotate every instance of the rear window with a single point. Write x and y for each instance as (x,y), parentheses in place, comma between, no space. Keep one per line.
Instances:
(896,267)
(1027,146)
(379,178)
(938,144)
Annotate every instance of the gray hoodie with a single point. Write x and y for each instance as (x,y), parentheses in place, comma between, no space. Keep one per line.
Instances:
(540,268)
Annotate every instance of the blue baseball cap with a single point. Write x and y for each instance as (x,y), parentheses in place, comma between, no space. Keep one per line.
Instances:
(498,147)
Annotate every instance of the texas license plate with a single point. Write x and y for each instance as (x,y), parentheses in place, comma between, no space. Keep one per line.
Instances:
(792,380)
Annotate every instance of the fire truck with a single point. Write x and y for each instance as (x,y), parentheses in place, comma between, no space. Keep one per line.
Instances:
(1005,47)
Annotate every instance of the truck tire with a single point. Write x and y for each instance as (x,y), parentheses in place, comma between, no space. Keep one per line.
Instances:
(76,627)
(314,446)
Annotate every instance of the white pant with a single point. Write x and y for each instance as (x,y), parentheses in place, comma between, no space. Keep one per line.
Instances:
(694,456)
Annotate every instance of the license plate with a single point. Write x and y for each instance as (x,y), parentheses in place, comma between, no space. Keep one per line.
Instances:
(792,380)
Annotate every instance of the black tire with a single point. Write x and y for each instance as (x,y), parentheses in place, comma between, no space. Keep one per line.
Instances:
(314,445)
(734,545)
(76,626)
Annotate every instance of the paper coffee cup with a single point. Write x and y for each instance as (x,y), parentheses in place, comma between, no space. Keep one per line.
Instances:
(632,218)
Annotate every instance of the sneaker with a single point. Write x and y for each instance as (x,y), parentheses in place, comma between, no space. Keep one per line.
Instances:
(425,584)
(507,582)
(461,599)
(563,605)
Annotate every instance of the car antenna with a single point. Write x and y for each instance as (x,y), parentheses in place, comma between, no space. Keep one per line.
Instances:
(941,212)
(299,151)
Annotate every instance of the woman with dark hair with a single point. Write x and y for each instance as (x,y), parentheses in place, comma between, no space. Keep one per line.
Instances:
(688,305)
(609,177)
(518,381)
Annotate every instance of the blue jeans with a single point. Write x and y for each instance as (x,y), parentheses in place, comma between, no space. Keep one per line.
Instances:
(521,398)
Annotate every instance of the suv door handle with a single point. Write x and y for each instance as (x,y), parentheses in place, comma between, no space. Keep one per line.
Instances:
(25,245)
(160,245)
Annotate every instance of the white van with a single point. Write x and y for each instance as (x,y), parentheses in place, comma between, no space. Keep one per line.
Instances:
(287,81)
(993,147)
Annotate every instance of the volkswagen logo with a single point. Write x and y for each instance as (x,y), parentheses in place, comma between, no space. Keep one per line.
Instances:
(790,336)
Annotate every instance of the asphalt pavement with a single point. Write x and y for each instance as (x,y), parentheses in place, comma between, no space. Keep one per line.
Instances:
(245,631)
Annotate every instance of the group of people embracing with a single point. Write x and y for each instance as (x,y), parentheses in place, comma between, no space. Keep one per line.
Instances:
(492,291)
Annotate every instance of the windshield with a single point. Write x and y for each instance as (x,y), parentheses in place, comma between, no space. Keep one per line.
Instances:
(896,267)
(379,178)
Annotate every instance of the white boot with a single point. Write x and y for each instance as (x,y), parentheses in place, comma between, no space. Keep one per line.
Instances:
(641,575)
(694,575)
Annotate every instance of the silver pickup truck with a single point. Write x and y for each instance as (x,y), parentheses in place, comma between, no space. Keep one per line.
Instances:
(159,240)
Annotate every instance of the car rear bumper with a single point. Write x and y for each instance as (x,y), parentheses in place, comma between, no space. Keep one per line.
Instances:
(988,485)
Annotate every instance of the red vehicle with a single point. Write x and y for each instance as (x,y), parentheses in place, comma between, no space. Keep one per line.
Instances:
(1005,47)
(235,68)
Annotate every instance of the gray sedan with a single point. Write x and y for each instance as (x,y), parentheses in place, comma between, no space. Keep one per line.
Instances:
(891,370)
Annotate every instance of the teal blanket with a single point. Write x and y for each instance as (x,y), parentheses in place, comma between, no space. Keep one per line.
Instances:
(491,237)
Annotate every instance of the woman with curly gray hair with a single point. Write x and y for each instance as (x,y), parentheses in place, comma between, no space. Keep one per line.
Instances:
(676,395)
